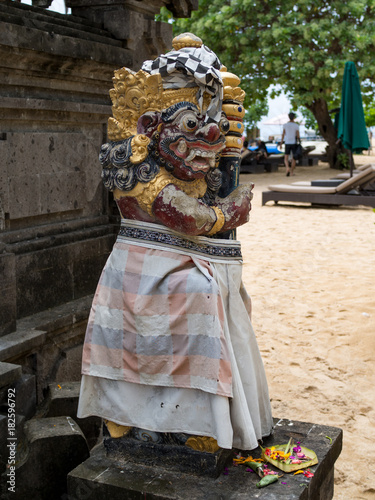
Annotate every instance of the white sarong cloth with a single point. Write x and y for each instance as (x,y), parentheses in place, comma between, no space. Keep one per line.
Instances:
(238,421)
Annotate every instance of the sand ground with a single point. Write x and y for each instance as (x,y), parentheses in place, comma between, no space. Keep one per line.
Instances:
(310,273)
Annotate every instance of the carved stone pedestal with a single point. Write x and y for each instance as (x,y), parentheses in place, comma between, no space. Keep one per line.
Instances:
(103,476)
(170,455)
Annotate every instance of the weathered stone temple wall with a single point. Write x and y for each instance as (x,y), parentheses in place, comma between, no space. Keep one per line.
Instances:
(56,222)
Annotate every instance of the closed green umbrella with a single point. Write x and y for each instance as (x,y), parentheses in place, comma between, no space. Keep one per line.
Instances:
(351,123)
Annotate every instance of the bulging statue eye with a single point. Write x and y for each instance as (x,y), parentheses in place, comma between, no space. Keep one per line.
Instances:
(189,122)
(224,125)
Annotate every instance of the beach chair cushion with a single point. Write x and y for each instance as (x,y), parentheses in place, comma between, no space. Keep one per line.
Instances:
(355,182)
(293,188)
(346,175)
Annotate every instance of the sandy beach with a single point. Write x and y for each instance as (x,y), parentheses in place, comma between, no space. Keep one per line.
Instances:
(310,274)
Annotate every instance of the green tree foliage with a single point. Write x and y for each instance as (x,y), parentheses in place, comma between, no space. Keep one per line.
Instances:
(369,110)
(309,119)
(165,16)
(300,46)
(255,110)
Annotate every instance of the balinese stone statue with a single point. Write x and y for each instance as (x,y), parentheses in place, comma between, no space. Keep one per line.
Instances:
(169,346)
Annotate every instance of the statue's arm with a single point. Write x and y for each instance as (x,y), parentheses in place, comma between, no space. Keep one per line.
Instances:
(236,206)
(185,214)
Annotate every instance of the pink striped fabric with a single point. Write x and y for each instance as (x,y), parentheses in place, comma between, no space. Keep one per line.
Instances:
(157,319)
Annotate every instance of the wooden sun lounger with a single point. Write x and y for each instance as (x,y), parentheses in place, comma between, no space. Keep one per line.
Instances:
(349,192)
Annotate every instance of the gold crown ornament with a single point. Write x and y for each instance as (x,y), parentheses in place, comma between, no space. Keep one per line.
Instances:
(234,110)
(186,40)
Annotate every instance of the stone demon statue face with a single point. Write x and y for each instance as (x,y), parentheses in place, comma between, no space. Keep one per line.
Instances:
(185,143)
(167,138)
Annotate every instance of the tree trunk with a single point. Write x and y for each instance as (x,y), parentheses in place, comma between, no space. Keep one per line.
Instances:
(327,130)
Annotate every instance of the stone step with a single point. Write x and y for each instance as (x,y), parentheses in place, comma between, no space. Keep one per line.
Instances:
(82,53)
(34,17)
(59,239)
(54,447)
(62,400)
(17,391)
(51,229)
(56,29)
(9,374)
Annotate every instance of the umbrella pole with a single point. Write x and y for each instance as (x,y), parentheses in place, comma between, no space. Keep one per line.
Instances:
(351,163)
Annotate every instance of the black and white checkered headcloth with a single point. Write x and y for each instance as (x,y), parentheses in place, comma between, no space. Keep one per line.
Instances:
(191,67)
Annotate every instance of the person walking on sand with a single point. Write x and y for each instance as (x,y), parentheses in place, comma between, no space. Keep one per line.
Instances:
(291,135)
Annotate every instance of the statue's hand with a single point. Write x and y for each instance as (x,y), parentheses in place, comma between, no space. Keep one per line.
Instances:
(236,206)
(186,214)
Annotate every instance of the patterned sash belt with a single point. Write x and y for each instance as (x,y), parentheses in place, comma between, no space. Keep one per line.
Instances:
(157,236)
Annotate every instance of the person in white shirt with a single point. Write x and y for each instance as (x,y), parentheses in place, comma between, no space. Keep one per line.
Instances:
(291,135)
